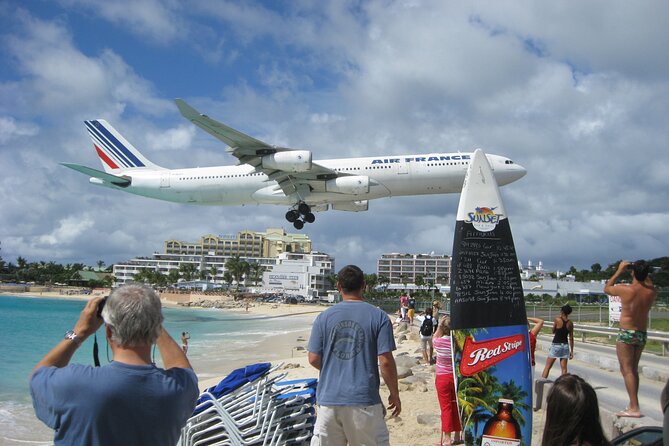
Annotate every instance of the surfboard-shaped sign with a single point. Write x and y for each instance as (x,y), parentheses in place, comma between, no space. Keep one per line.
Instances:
(488,319)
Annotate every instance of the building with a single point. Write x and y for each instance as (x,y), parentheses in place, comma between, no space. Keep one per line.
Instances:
(246,243)
(271,250)
(307,275)
(406,268)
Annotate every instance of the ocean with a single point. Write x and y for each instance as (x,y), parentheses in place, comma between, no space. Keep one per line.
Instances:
(29,327)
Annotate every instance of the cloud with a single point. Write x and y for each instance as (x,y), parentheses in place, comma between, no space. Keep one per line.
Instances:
(10,129)
(565,90)
(158,20)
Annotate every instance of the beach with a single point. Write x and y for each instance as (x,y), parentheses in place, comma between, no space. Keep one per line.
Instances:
(419,422)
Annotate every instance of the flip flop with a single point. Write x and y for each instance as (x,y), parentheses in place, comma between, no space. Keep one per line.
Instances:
(628,414)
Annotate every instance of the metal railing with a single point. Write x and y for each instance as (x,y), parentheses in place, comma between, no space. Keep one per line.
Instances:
(659,336)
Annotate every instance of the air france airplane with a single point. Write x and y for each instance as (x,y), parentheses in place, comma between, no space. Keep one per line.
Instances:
(268,174)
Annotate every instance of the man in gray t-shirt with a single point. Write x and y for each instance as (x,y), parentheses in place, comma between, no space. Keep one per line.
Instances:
(348,344)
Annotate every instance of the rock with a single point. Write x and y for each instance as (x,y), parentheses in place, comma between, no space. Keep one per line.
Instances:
(428,419)
(406,361)
(292,366)
(411,380)
(403,372)
(401,338)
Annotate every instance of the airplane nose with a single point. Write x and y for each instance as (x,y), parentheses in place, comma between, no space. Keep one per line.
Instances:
(519,172)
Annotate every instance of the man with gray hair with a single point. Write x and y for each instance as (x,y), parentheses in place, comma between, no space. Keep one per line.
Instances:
(129,401)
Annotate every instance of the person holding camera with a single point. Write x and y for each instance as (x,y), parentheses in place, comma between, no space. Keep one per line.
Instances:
(636,299)
(128,401)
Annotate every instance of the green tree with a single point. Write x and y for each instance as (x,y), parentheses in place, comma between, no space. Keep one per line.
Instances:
(256,270)
(384,281)
(332,280)
(100,264)
(228,278)
(173,276)
(187,271)
(419,281)
(371,281)
(238,268)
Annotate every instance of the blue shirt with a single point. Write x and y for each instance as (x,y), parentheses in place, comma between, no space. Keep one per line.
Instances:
(349,337)
(114,404)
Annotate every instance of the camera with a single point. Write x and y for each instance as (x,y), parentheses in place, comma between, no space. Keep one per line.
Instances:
(630,266)
(101,305)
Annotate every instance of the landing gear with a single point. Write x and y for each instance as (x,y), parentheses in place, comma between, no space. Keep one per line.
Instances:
(292,215)
(302,210)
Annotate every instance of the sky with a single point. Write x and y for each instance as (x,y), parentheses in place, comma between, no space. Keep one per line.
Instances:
(576,92)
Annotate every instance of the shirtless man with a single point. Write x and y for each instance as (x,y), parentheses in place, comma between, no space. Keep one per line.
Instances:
(636,299)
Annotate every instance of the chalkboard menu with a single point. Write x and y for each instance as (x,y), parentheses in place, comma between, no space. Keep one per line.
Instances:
(486,290)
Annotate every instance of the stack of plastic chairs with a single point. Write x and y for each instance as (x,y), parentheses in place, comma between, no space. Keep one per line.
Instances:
(253,407)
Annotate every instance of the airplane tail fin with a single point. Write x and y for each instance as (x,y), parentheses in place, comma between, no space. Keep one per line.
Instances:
(115,152)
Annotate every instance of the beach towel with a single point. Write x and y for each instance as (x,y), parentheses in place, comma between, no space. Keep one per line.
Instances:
(234,380)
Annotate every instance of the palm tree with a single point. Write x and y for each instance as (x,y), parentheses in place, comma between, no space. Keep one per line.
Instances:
(384,281)
(419,281)
(100,264)
(371,280)
(238,268)
(173,276)
(256,272)
(187,270)
(227,278)
(332,280)
(213,271)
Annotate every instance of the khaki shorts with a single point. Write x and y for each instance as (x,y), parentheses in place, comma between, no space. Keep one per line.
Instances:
(352,425)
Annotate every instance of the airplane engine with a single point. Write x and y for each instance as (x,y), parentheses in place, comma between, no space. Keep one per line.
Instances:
(290,161)
(354,185)
(353,206)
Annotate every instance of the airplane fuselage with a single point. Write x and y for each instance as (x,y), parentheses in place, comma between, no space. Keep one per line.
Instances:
(395,175)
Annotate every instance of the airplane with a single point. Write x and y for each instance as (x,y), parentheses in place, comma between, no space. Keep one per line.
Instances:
(267,174)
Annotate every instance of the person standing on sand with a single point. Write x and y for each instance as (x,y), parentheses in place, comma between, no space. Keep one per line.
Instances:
(349,343)
(445,384)
(636,300)
(411,303)
(563,330)
(403,306)
(185,336)
(129,401)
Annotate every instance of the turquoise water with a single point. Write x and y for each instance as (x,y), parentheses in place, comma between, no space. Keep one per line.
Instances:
(29,328)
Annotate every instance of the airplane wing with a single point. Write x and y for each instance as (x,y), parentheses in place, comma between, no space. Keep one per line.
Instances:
(121,181)
(249,150)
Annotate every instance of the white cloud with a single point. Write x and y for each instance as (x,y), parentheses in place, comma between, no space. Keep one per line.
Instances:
(11,129)
(158,20)
(563,89)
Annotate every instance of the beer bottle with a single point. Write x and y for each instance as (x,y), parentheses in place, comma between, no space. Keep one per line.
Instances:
(502,429)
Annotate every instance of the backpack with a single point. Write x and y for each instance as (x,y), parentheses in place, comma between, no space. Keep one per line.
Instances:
(427,327)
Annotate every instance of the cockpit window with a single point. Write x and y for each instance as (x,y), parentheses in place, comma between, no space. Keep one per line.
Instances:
(508,162)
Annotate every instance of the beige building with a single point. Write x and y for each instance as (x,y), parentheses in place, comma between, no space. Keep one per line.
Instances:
(270,243)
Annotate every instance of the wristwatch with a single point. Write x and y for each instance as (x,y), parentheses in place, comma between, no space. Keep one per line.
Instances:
(72,336)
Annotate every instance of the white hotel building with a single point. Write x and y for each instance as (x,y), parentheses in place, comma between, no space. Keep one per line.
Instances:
(404,268)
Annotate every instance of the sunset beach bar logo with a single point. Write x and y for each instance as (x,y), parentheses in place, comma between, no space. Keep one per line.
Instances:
(478,356)
(483,219)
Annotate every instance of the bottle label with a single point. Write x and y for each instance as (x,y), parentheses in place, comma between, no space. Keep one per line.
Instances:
(488,440)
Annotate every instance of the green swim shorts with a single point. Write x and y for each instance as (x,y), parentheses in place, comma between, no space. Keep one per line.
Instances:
(632,337)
